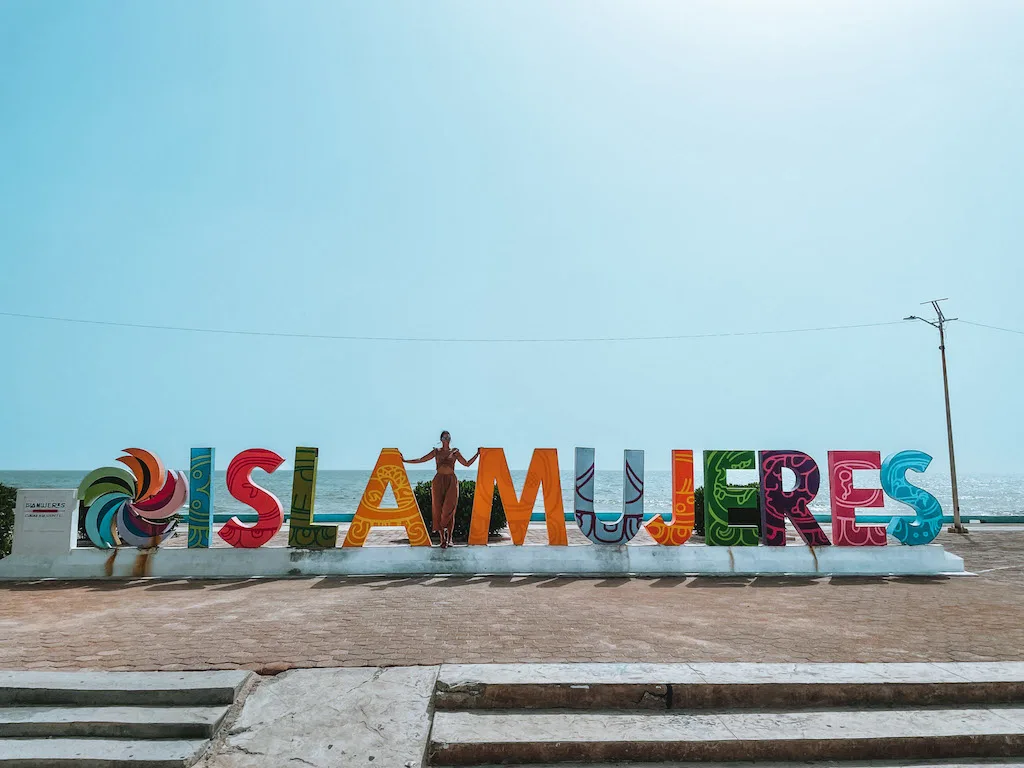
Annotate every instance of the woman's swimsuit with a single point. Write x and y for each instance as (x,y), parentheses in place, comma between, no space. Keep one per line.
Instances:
(444,492)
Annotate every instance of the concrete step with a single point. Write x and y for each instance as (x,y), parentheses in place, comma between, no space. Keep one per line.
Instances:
(98,753)
(483,737)
(111,689)
(111,722)
(969,763)
(721,686)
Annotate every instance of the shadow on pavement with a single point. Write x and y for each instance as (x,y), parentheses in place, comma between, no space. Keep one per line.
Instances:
(786,581)
(496,582)
(716,582)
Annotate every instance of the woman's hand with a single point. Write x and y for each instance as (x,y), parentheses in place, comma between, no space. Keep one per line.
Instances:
(471,461)
(420,460)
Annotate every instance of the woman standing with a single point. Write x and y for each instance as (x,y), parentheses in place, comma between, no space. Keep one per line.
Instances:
(444,488)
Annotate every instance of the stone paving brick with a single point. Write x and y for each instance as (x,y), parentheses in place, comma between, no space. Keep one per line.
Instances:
(367,621)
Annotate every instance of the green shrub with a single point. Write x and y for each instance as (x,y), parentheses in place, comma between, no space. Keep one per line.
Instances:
(7,496)
(463,511)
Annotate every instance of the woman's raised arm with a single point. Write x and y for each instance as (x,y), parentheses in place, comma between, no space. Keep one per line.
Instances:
(421,459)
(463,462)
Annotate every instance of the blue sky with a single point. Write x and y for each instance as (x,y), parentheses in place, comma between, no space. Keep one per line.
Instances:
(508,170)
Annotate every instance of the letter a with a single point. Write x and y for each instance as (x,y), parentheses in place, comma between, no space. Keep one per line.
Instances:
(389,471)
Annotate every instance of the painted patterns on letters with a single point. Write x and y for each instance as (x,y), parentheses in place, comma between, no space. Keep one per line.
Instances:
(846,531)
(777,504)
(389,470)
(200,506)
(267,505)
(542,473)
(631,520)
(925,526)
(301,530)
(680,527)
(720,499)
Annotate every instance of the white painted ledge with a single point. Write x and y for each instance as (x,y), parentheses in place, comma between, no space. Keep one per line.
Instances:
(589,560)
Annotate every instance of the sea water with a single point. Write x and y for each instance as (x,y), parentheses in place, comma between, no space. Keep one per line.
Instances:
(339,491)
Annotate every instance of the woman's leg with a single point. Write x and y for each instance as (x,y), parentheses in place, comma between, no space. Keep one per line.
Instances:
(451,501)
(436,499)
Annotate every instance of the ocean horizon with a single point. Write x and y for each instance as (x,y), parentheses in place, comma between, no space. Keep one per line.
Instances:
(339,490)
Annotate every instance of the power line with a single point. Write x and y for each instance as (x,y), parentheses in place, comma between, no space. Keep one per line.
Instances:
(443,340)
(992,327)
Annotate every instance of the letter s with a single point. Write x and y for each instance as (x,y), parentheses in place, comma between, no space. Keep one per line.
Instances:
(926,525)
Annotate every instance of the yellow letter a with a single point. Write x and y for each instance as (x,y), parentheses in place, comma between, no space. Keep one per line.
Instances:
(389,469)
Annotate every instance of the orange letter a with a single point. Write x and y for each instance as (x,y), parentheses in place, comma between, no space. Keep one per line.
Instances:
(543,473)
(390,470)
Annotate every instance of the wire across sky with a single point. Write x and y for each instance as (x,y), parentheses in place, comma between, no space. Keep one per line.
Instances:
(456,340)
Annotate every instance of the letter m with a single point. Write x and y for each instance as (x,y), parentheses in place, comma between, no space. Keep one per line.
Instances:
(543,473)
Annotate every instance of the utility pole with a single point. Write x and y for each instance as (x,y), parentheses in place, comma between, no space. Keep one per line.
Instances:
(940,323)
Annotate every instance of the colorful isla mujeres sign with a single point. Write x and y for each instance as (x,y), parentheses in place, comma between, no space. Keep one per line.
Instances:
(137,506)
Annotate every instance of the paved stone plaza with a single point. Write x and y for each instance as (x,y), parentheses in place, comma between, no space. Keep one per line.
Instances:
(271,625)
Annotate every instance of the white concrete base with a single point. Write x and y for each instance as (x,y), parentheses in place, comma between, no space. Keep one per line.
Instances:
(589,560)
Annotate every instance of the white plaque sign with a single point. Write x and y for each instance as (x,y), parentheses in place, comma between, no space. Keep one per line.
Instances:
(45,522)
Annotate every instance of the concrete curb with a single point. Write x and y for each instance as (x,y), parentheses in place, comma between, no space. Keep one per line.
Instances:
(476,738)
(723,686)
(577,560)
(112,689)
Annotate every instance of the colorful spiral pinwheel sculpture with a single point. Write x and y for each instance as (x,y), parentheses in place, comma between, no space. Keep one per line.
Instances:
(137,506)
